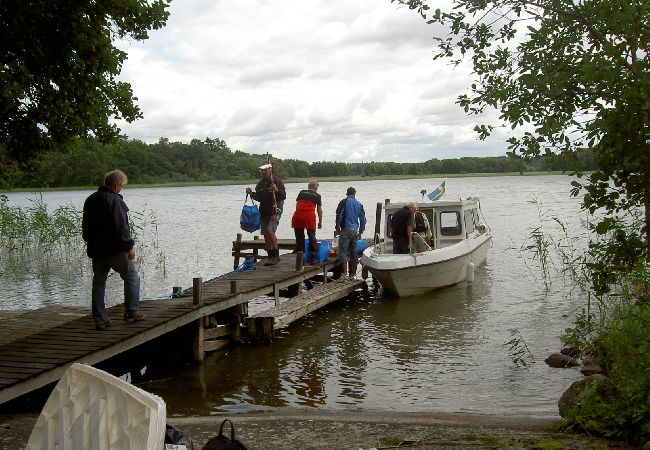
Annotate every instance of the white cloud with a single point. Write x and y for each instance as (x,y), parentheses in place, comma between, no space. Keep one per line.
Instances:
(313,80)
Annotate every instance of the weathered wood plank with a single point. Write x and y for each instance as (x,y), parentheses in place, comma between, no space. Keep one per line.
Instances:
(307,302)
(215,344)
(215,332)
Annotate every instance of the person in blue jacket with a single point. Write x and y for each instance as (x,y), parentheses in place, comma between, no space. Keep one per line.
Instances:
(350,223)
(105,228)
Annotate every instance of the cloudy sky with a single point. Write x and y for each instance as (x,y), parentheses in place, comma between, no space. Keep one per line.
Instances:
(317,80)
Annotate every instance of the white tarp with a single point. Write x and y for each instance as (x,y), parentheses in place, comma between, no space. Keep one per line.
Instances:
(92,409)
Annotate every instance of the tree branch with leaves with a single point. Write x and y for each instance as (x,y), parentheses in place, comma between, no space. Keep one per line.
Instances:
(59,68)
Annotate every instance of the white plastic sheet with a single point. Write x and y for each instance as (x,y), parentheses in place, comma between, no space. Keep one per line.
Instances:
(92,409)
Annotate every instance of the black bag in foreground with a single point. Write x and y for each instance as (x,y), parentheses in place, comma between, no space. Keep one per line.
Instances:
(221,442)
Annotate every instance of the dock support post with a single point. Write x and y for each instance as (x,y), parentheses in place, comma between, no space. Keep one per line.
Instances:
(237,250)
(197,300)
(255,250)
(233,286)
(199,354)
(197,291)
(239,314)
(276,293)
(176,290)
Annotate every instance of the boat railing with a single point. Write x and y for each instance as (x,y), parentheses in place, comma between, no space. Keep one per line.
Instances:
(418,244)
(380,246)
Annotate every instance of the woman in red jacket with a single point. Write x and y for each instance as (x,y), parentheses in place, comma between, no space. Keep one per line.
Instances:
(308,205)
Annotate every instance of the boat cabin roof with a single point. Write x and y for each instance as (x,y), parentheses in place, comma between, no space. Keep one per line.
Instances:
(433,204)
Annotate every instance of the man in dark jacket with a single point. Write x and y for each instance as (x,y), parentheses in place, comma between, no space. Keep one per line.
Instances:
(271,195)
(402,223)
(106,231)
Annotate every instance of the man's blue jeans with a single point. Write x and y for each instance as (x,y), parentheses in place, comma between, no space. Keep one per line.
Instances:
(121,264)
(347,249)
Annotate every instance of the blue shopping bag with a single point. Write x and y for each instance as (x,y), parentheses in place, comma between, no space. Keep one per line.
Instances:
(249,220)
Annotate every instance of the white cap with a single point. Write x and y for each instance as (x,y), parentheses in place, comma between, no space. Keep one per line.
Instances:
(266,166)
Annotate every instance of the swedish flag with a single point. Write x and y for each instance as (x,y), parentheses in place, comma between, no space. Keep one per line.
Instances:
(437,192)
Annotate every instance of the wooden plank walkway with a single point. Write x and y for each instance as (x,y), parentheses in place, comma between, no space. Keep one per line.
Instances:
(262,324)
(39,350)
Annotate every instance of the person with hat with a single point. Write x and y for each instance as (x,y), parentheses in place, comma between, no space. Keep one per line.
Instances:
(350,223)
(270,192)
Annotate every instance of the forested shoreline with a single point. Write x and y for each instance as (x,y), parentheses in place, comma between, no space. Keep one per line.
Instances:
(84,161)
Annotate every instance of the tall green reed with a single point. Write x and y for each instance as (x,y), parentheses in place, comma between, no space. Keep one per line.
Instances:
(33,233)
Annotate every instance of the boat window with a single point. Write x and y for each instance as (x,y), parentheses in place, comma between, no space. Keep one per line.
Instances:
(450,223)
(389,230)
(469,221)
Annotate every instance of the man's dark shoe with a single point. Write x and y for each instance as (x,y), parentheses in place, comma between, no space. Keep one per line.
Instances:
(133,317)
(102,325)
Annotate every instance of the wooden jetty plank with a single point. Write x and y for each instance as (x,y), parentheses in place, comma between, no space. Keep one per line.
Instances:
(24,365)
(294,308)
(24,323)
(9,375)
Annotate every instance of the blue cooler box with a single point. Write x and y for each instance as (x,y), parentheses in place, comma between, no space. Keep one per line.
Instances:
(322,250)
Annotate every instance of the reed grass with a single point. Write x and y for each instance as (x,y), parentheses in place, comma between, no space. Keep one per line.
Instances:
(36,234)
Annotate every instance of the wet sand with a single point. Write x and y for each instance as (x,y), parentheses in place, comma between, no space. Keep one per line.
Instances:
(360,430)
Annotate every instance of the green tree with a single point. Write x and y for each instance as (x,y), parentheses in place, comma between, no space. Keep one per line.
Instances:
(566,75)
(570,75)
(58,69)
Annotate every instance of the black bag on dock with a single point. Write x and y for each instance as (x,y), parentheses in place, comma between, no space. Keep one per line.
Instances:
(250,217)
(221,442)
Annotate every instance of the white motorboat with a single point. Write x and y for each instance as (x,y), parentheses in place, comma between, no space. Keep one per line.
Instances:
(457,243)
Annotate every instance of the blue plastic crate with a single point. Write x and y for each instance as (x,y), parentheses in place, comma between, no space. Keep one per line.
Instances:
(322,250)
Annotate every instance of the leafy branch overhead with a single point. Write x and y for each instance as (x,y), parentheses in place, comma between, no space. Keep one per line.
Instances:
(564,75)
(59,68)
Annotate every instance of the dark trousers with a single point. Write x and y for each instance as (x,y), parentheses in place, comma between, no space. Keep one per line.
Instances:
(401,245)
(121,264)
(300,242)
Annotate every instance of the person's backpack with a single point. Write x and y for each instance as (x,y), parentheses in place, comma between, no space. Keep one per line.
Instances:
(249,220)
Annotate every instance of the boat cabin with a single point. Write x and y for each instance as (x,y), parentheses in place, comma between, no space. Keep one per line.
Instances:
(449,222)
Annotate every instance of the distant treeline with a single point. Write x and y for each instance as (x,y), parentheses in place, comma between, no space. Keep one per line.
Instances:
(84,163)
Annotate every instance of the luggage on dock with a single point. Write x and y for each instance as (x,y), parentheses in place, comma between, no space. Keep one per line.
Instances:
(322,250)
(249,220)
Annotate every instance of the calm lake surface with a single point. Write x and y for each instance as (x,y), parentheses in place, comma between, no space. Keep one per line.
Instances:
(441,352)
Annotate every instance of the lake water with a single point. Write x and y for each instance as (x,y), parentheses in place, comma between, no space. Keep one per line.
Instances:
(441,352)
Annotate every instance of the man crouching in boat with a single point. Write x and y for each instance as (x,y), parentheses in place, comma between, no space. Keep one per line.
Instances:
(350,223)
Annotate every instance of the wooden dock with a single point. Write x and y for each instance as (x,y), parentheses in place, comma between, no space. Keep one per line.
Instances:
(262,324)
(36,347)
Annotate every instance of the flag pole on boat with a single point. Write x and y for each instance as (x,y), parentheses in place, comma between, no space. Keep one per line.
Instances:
(438,192)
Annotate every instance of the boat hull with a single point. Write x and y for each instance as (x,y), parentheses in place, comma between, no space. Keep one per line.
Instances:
(406,275)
